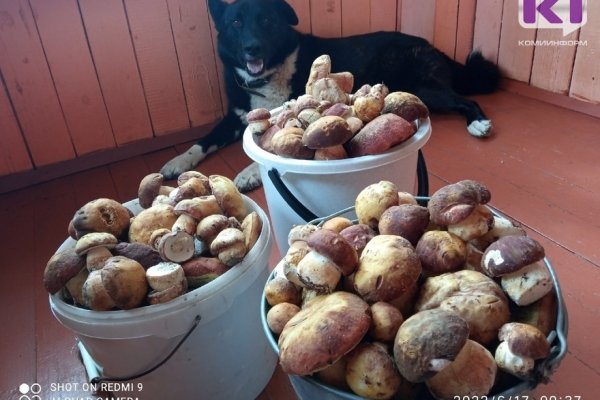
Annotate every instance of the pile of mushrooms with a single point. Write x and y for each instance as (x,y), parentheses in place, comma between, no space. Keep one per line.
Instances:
(447,300)
(185,236)
(329,122)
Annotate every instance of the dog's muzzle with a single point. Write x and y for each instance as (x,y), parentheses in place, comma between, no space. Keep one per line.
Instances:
(255,66)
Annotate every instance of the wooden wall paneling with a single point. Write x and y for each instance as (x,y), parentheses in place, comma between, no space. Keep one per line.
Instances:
(196,56)
(383,15)
(418,18)
(356,17)
(326,18)
(445,26)
(157,60)
(14,156)
(30,87)
(487,26)
(70,61)
(302,8)
(553,65)
(399,15)
(112,51)
(218,64)
(464,29)
(515,60)
(586,71)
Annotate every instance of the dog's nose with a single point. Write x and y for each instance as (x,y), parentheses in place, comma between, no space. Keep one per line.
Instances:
(252,49)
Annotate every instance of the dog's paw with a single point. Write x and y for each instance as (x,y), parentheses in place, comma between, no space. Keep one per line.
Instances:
(480,128)
(248,179)
(183,162)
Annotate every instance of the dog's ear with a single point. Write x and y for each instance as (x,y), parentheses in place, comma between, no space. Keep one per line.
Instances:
(286,11)
(216,8)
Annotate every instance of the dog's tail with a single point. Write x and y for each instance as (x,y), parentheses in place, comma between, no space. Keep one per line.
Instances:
(476,76)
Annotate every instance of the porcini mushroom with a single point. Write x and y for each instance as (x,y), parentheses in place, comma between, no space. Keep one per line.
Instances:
(150,187)
(520,345)
(95,246)
(258,121)
(101,215)
(371,372)
(373,200)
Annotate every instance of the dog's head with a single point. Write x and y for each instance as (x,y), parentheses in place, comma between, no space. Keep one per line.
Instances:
(254,35)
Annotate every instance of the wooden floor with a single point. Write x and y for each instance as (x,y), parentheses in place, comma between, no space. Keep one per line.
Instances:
(542,167)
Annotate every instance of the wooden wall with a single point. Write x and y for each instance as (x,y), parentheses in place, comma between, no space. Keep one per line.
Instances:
(84,76)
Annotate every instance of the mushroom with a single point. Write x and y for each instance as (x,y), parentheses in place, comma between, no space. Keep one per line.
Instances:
(150,187)
(176,246)
(373,200)
(306,109)
(287,142)
(334,374)
(228,197)
(427,342)
(337,224)
(520,345)
(252,227)
(187,175)
(388,267)
(101,215)
(328,89)
(185,223)
(74,286)
(258,121)
(440,252)
(542,313)
(94,293)
(199,271)
(501,227)
(208,228)
(368,106)
(476,224)
(472,295)
(279,315)
(453,203)
(229,246)
(198,207)
(518,260)
(164,275)
(407,220)
(95,246)
(168,294)
(358,236)
(371,372)
(379,135)
(281,290)
(386,321)
(149,220)
(61,268)
(142,253)
(405,105)
(329,257)
(325,329)
(289,263)
(125,282)
(320,68)
(471,375)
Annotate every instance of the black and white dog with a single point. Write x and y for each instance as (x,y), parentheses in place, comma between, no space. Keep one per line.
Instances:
(266,62)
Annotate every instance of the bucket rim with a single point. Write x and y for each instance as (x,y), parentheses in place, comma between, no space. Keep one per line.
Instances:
(64,310)
(327,167)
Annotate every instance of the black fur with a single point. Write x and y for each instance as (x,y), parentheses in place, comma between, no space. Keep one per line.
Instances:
(255,31)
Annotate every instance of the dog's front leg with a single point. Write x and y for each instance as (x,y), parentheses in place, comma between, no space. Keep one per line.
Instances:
(248,178)
(227,131)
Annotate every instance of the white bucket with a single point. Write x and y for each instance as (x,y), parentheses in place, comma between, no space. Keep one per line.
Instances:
(325,187)
(226,356)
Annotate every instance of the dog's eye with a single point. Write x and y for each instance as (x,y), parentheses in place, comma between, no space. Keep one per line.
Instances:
(237,23)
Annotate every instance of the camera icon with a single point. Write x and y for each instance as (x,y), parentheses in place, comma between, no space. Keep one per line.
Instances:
(30,392)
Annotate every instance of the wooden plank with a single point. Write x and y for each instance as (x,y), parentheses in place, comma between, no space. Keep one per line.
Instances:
(486,32)
(464,29)
(66,48)
(418,18)
(399,15)
(445,26)
(157,59)
(553,65)
(586,72)
(326,18)
(109,39)
(302,8)
(383,15)
(14,156)
(356,18)
(515,59)
(127,175)
(196,56)
(30,87)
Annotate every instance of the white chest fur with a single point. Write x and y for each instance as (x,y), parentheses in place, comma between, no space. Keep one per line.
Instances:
(277,91)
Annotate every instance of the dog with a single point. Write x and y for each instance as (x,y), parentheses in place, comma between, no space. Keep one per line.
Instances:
(267,62)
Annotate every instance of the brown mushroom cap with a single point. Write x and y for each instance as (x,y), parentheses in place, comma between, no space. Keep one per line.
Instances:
(474,296)
(142,253)
(511,253)
(525,340)
(405,105)
(358,236)
(125,281)
(101,215)
(388,267)
(95,239)
(471,375)
(153,218)
(258,114)
(333,246)
(228,197)
(202,270)
(441,251)
(61,267)
(371,372)
(407,220)
(149,188)
(328,327)
(453,203)
(428,341)
(373,200)
(251,226)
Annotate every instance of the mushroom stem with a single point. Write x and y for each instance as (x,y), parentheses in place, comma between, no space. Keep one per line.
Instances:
(96,258)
